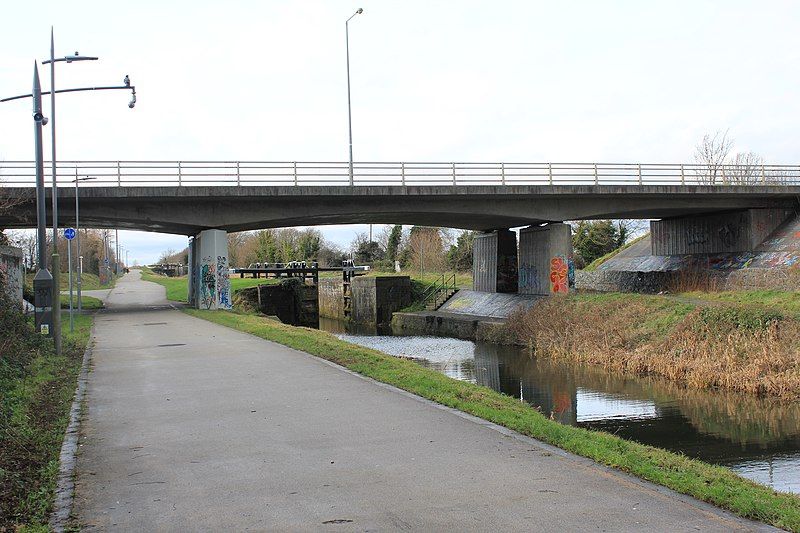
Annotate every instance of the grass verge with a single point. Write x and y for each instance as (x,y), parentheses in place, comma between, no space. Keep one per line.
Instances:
(591,267)
(89,282)
(88,303)
(178,287)
(36,389)
(713,484)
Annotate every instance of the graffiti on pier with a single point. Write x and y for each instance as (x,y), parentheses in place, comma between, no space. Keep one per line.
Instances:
(223,283)
(571,272)
(208,282)
(559,275)
(728,235)
(695,236)
(529,278)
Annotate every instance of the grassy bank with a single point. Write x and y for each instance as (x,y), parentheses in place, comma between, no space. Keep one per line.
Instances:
(36,389)
(178,287)
(713,484)
(752,349)
(89,282)
(88,303)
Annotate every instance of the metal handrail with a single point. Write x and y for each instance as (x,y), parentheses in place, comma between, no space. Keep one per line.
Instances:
(370,173)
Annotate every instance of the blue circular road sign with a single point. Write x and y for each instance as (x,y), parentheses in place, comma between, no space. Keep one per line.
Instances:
(69,233)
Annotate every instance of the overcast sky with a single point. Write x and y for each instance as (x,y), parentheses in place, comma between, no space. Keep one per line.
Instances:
(624,81)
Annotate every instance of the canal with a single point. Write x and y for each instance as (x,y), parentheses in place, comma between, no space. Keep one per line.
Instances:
(756,437)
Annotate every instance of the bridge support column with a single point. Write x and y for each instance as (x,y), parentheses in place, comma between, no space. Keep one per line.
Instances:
(209,287)
(545,259)
(494,262)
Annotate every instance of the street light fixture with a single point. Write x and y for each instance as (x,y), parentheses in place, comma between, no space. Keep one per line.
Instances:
(56,262)
(349,113)
(47,322)
(79,266)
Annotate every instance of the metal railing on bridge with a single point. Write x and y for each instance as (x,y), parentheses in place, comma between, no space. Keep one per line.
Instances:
(296,173)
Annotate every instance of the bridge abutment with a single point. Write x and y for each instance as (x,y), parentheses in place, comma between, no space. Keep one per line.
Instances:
(545,259)
(209,286)
(738,231)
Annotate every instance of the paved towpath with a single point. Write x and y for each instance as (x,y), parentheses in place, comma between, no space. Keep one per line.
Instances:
(195,427)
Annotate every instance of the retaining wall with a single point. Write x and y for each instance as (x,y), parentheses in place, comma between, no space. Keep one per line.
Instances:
(12,275)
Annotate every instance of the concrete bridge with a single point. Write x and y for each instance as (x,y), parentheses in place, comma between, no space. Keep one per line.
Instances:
(725,208)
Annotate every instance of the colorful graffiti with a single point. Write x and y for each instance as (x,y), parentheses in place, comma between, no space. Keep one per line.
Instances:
(223,283)
(208,282)
(571,272)
(559,275)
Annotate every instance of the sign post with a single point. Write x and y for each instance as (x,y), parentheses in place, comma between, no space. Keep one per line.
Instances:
(69,234)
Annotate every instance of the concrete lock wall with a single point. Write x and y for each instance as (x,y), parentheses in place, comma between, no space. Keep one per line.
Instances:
(740,231)
(12,275)
(376,298)
(545,260)
(331,301)
(212,287)
(494,262)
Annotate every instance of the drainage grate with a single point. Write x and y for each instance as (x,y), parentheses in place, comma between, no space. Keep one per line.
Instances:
(168,345)
(154,324)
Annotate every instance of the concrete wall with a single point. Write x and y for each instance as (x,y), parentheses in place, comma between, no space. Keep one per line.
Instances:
(292,301)
(376,298)
(739,231)
(545,258)
(331,302)
(494,262)
(211,283)
(12,276)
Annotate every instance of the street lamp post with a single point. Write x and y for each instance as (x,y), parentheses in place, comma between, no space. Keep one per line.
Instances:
(43,281)
(56,261)
(349,113)
(79,257)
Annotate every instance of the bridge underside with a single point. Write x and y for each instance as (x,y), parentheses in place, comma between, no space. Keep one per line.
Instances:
(190,210)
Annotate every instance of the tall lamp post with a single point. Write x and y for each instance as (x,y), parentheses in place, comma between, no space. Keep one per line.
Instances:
(78,256)
(47,319)
(349,113)
(56,261)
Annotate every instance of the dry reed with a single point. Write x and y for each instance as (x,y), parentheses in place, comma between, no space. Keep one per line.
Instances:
(728,347)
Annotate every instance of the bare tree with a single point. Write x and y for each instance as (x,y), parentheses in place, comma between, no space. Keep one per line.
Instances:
(744,169)
(710,156)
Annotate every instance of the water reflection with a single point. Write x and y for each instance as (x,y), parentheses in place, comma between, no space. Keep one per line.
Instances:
(758,438)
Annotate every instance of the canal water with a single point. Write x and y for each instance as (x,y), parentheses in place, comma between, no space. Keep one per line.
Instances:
(758,438)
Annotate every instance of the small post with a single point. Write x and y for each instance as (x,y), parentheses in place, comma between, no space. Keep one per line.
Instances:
(596,177)
(180,177)
(238,176)
(403,174)
(69,269)
(550,172)
(295,173)
(454,173)
(683,176)
(639,166)
(503,173)
(763,175)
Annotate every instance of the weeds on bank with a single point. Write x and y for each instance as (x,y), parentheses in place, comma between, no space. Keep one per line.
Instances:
(746,349)
(712,484)
(36,389)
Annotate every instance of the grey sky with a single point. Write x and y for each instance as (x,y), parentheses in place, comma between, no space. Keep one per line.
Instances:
(622,81)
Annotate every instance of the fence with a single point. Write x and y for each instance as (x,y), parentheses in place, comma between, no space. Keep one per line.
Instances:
(295,173)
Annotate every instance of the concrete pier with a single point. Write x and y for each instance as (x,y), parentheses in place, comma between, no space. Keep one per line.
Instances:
(209,285)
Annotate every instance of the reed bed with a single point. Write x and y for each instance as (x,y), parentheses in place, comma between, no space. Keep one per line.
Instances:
(737,348)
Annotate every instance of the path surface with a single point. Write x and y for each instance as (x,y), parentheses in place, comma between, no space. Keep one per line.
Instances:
(195,427)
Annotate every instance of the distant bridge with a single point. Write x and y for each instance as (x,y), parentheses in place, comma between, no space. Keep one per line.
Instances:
(187,197)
